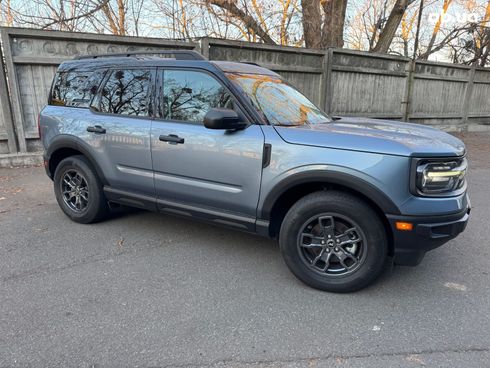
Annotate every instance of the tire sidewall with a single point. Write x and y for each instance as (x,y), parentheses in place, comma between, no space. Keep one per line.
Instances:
(351,208)
(80,164)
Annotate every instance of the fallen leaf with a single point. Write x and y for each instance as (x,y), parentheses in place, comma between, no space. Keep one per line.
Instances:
(455,286)
(415,359)
(312,363)
(339,360)
(120,242)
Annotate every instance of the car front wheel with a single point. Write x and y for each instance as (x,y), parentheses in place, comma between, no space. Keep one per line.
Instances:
(333,241)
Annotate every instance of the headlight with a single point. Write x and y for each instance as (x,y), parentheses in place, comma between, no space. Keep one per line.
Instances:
(441,177)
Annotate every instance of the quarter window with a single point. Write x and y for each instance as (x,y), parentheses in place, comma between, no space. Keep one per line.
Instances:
(126,93)
(75,89)
(189,95)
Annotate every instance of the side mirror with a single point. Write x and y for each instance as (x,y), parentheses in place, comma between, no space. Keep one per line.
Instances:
(225,119)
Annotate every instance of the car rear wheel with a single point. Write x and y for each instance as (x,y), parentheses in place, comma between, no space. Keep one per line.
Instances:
(333,241)
(79,191)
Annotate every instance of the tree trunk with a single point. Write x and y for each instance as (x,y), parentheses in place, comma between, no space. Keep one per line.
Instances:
(333,26)
(388,33)
(435,32)
(312,23)
(121,8)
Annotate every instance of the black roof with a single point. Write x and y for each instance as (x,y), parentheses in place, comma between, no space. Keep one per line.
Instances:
(150,59)
(236,67)
(174,54)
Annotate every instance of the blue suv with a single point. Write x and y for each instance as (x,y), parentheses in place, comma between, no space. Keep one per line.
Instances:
(234,144)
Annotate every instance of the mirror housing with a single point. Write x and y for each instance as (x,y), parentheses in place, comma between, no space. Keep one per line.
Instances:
(225,119)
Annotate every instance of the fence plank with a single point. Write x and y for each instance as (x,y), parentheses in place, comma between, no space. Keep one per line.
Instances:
(7,131)
(14,92)
(468,93)
(362,84)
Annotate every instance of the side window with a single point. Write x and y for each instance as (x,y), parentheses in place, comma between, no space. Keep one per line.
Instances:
(126,93)
(58,91)
(75,89)
(189,95)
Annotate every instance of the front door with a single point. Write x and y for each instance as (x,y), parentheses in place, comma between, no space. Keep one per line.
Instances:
(199,169)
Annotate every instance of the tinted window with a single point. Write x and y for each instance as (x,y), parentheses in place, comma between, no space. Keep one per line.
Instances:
(75,89)
(188,95)
(126,93)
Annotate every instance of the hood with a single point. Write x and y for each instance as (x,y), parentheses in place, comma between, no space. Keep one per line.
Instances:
(371,135)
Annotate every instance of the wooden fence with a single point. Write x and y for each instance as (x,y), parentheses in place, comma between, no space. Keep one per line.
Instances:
(342,82)
(31,58)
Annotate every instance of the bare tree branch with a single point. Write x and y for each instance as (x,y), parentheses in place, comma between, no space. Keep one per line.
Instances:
(247,19)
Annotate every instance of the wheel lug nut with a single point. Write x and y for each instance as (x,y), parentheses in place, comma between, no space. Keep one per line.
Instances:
(336,249)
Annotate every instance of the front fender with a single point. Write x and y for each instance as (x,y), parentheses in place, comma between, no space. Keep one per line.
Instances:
(351,179)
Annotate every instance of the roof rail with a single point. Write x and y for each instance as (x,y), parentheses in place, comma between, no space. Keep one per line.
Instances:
(177,54)
(250,63)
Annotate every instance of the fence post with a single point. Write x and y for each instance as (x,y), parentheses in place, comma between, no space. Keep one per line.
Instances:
(467,97)
(14,90)
(204,41)
(327,81)
(409,90)
(6,112)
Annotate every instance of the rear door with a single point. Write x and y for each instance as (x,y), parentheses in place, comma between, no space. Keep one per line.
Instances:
(119,127)
(212,171)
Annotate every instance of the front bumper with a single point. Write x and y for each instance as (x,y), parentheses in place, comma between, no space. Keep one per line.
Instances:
(428,233)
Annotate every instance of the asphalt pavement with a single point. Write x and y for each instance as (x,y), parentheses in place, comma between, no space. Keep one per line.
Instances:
(144,289)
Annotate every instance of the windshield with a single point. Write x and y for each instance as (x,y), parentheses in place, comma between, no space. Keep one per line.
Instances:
(280,103)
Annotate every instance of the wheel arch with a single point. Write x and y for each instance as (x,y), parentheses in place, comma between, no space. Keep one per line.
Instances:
(291,189)
(65,146)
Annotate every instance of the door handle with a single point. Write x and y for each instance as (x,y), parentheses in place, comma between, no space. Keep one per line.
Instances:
(172,139)
(96,129)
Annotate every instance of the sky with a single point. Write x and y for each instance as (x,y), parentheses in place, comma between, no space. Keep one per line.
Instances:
(156,19)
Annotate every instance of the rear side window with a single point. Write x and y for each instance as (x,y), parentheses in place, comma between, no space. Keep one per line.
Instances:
(75,88)
(127,93)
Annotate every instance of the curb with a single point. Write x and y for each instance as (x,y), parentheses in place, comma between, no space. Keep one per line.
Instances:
(21,159)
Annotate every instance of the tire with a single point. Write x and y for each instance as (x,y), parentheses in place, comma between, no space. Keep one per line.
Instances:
(333,241)
(75,177)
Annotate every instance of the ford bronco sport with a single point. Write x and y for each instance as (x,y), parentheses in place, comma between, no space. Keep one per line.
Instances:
(235,144)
